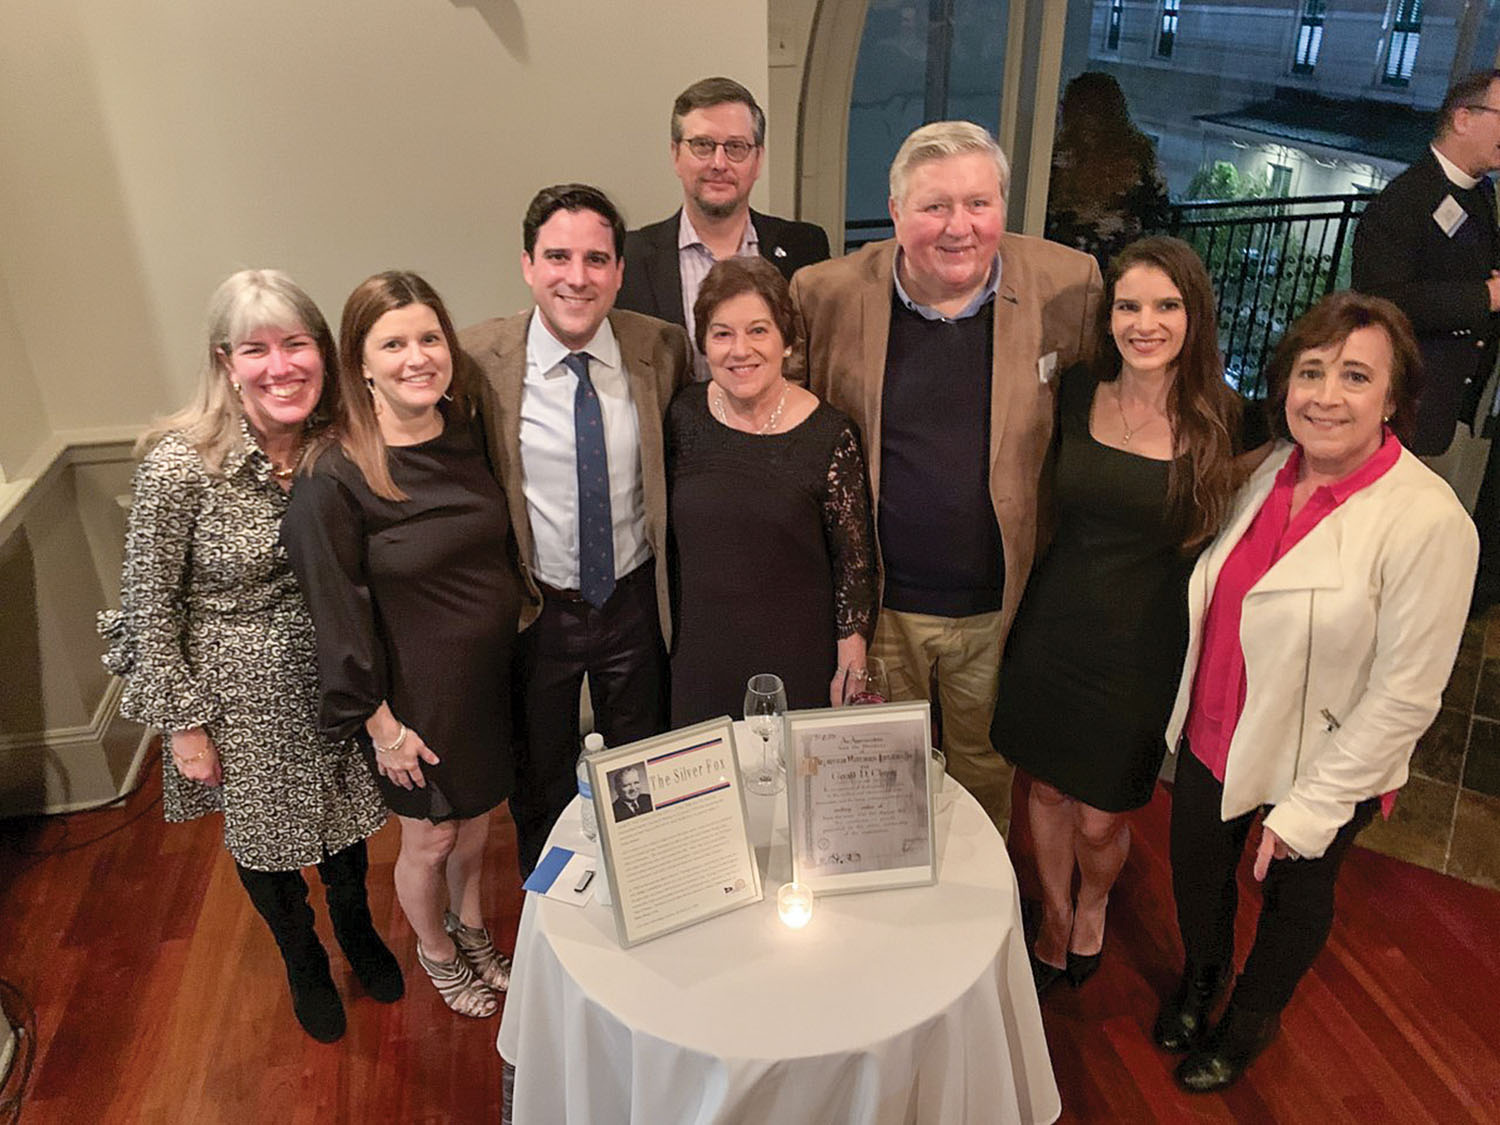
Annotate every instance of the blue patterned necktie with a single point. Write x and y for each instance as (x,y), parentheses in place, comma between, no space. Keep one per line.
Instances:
(596,539)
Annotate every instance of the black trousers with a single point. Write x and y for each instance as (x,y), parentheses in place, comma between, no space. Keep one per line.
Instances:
(1296,912)
(620,648)
(1487,521)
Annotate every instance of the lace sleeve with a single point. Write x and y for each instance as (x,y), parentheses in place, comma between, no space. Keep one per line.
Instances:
(161,688)
(850,535)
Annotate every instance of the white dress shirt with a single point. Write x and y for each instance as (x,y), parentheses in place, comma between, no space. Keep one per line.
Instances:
(549,457)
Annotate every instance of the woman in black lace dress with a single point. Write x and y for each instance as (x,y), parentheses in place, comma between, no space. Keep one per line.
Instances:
(774,554)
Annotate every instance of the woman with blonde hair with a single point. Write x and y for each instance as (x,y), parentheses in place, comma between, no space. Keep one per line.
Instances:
(401,538)
(216,645)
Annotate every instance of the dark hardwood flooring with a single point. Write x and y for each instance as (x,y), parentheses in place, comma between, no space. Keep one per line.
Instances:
(159,997)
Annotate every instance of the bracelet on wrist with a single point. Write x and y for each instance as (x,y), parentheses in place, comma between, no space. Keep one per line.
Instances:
(181,761)
(394,746)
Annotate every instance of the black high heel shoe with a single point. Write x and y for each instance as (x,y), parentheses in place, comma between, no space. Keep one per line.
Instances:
(1043,974)
(1081,966)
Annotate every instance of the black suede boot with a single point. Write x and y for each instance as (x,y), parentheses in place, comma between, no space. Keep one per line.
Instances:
(281,899)
(1232,1046)
(1184,1019)
(343,875)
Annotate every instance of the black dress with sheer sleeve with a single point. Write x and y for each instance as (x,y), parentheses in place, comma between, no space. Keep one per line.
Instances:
(773,555)
(415,602)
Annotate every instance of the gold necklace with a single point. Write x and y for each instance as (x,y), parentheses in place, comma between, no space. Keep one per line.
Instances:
(717,405)
(1124,421)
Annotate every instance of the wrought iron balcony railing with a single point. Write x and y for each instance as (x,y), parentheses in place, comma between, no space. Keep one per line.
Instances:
(1270,260)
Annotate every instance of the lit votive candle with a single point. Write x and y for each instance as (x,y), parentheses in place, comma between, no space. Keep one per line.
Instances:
(794,902)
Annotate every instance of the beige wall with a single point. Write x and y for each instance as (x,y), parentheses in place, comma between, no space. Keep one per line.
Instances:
(23,418)
(152,148)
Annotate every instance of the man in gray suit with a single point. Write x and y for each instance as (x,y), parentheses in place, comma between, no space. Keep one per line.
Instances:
(574,399)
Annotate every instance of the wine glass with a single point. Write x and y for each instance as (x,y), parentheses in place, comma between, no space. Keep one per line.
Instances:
(765,708)
(867,684)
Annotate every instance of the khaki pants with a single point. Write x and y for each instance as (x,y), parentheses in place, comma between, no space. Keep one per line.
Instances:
(963,654)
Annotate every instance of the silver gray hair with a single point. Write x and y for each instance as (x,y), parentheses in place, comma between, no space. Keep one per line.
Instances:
(942,139)
(242,304)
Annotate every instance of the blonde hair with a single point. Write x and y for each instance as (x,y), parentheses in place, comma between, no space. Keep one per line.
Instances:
(243,304)
(940,140)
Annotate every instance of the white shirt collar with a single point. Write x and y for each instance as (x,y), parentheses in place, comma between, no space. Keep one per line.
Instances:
(548,352)
(1454,173)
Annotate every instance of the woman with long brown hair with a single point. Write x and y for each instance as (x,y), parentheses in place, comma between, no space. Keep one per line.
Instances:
(401,539)
(1144,474)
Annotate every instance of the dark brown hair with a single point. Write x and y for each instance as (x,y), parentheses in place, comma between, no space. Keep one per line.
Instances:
(1467,92)
(736,276)
(355,429)
(709,92)
(1329,322)
(572,198)
(1202,409)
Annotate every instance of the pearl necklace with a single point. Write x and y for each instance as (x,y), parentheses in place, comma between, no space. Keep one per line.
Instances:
(717,406)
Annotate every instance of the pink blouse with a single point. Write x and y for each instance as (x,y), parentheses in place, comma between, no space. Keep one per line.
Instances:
(1218,697)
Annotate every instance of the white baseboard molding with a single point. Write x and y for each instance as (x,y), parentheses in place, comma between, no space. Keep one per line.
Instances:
(73,769)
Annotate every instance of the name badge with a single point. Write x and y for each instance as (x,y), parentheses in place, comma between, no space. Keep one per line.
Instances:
(1046,367)
(1449,216)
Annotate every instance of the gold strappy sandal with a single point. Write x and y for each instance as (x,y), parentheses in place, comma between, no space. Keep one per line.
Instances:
(460,989)
(475,947)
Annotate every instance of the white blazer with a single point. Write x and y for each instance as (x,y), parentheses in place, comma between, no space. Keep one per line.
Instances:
(1349,640)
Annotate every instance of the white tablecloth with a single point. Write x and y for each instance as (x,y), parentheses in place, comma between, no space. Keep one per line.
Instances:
(911,1005)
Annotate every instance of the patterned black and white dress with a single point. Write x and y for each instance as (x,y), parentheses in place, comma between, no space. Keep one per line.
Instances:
(213,632)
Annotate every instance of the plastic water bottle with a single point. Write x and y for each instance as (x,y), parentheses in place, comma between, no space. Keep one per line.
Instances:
(593,742)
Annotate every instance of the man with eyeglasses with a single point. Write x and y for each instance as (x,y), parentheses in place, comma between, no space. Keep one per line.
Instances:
(718,139)
(1429,243)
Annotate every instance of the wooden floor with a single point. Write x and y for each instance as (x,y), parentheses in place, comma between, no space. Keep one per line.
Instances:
(159,997)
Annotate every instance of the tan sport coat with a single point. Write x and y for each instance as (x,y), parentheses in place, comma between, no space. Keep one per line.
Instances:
(658,360)
(1044,322)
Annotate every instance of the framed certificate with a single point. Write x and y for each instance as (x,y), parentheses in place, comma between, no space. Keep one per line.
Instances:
(672,830)
(859,793)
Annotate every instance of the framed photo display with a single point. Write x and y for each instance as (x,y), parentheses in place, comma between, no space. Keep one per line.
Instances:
(673,833)
(859,792)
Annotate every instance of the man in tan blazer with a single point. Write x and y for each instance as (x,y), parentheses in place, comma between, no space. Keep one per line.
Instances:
(945,344)
(574,398)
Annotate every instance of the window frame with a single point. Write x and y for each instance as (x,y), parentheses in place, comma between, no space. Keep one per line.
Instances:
(1402,44)
(1309,42)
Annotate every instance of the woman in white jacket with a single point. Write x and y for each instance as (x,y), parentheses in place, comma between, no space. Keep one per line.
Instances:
(1324,621)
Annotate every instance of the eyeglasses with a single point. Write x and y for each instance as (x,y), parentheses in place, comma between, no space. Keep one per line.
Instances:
(1481,109)
(734,148)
